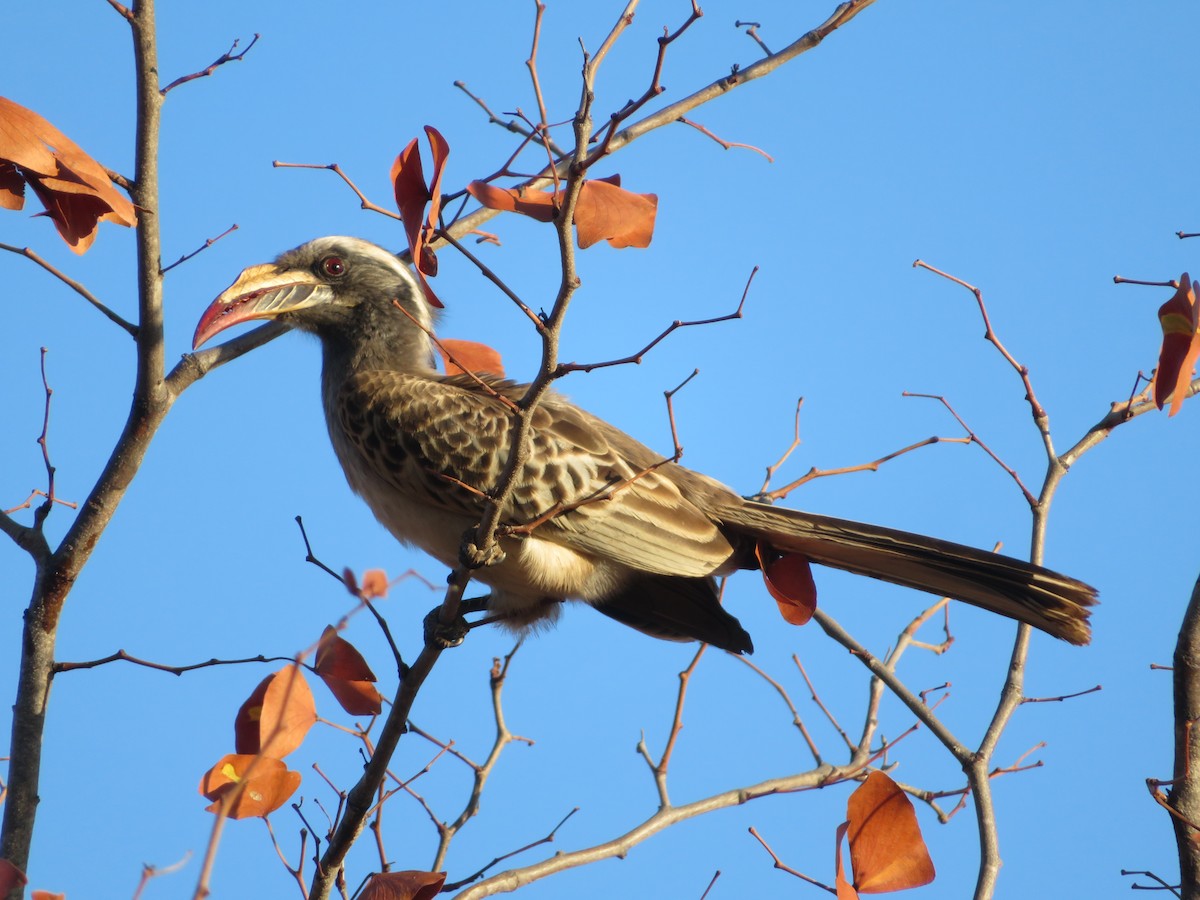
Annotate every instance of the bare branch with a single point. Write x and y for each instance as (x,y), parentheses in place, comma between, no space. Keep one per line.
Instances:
(208,243)
(337,170)
(728,145)
(531,63)
(784,867)
(227,57)
(752,32)
(511,124)
(74,285)
(973,438)
(669,114)
(1039,414)
(636,358)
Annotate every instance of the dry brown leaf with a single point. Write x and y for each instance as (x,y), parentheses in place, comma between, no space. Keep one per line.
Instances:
(74,188)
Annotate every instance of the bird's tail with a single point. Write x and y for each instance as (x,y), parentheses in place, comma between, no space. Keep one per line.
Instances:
(1054,603)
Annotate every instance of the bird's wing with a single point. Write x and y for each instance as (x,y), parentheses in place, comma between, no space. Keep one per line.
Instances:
(585,485)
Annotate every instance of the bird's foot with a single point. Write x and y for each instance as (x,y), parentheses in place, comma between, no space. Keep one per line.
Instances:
(442,635)
(476,557)
(445,636)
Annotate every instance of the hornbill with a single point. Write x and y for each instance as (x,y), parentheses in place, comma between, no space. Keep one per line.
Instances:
(424,450)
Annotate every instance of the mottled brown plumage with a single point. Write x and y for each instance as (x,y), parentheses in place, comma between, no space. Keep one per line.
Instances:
(639,539)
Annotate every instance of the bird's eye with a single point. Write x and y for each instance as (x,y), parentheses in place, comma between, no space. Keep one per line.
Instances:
(333,266)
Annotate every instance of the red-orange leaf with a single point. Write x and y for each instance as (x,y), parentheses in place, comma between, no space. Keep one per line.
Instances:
(10,877)
(1180,321)
(845,890)
(461,357)
(347,675)
(46,895)
(408,183)
(604,211)
(406,885)
(74,188)
(276,716)
(789,580)
(357,698)
(887,852)
(538,205)
(337,657)
(267,784)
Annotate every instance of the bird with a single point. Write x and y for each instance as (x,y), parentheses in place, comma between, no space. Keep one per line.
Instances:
(594,516)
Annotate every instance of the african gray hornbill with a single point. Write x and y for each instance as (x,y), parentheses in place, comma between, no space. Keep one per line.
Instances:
(423,449)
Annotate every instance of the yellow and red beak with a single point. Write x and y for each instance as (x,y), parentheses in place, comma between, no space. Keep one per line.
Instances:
(260,292)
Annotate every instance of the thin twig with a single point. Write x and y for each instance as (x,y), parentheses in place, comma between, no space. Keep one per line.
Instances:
(974,438)
(74,285)
(752,32)
(636,358)
(227,57)
(337,170)
(1039,413)
(727,145)
(208,243)
(784,867)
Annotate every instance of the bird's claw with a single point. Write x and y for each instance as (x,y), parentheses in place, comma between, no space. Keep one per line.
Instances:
(475,557)
(442,635)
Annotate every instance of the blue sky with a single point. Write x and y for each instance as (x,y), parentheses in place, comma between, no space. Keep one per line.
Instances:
(1033,150)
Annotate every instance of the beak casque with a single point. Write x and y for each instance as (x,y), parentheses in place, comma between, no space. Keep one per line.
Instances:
(260,292)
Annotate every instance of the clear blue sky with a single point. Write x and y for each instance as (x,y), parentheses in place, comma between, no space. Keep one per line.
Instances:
(1032,149)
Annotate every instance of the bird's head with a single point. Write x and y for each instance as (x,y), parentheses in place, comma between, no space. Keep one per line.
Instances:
(343,289)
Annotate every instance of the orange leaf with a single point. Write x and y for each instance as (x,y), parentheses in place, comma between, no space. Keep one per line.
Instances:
(74,188)
(789,580)
(10,877)
(604,212)
(267,784)
(1180,321)
(276,716)
(347,675)
(539,205)
(887,852)
(374,584)
(845,890)
(607,212)
(406,885)
(46,895)
(461,357)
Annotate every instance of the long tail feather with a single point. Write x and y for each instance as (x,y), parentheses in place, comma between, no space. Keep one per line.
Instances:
(1037,596)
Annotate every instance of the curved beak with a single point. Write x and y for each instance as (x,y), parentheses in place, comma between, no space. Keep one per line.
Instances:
(260,292)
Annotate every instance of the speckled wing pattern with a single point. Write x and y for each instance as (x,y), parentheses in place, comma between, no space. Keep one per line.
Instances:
(443,442)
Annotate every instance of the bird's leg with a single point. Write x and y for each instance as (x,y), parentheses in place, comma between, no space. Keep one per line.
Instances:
(446,636)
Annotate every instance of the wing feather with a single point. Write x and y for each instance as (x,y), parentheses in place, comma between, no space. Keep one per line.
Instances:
(444,442)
